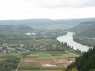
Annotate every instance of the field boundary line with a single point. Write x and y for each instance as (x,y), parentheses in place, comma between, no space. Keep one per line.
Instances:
(72,53)
(52,57)
(55,60)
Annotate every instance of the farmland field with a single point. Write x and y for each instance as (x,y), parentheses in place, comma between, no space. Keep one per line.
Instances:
(46,61)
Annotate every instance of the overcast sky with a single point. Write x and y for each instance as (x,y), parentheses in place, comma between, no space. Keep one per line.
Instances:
(52,9)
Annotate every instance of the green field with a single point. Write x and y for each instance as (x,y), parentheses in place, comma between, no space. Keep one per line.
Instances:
(36,61)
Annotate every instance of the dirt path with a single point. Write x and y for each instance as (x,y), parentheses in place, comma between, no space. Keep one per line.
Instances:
(52,57)
(19,64)
(72,53)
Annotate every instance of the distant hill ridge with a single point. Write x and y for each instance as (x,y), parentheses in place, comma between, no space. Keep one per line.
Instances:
(91,22)
(85,29)
(45,22)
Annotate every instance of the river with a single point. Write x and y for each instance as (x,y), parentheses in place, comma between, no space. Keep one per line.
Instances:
(68,38)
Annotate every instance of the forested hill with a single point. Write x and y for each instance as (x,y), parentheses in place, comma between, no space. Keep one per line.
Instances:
(13,30)
(38,22)
(86,29)
(86,62)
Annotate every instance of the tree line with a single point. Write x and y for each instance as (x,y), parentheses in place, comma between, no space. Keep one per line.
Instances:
(86,62)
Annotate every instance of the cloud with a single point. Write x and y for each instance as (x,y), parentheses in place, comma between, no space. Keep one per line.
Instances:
(62,3)
(53,9)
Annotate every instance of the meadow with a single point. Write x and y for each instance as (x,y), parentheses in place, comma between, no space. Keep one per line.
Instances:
(46,61)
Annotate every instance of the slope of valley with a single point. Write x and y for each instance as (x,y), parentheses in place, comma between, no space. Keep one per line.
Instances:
(85,33)
(35,47)
(24,48)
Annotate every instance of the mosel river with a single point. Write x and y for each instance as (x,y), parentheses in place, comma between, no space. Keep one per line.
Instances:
(68,38)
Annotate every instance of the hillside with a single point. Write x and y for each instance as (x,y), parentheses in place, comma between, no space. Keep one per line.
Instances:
(85,29)
(14,28)
(13,31)
(85,33)
(45,22)
(86,62)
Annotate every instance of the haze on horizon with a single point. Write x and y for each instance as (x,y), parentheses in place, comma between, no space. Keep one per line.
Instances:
(51,9)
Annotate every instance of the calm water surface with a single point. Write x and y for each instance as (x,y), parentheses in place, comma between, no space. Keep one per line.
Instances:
(68,38)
